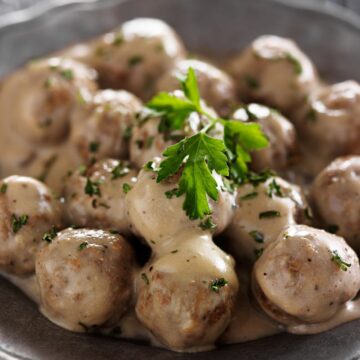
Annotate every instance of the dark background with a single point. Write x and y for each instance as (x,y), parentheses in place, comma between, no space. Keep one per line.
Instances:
(13,5)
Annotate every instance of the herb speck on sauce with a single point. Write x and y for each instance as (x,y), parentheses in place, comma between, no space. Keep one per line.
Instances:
(17,222)
(216,284)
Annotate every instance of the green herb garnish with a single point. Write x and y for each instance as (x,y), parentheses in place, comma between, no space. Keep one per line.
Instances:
(119,171)
(257,236)
(269,214)
(249,196)
(18,222)
(216,284)
(171,193)
(126,188)
(94,146)
(200,155)
(336,258)
(134,60)
(83,245)
(92,187)
(274,189)
(3,188)
(51,235)
(145,278)
(258,252)
(207,224)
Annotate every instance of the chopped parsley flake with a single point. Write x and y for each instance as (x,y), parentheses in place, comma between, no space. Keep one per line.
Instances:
(94,146)
(3,188)
(48,237)
(336,258)
(251,82)
(119,171)
(145,278)
(92,187)
(258,252)
(134,60)
(207,224)
(216,284)
(311,115)
(126,188)
(274,189)
(295,63)
(269,214)
(118,39)
(169,194)
(127,133)
(257,236)
(83,245)
(308,213)
(67,74)
(150,166)
(257,178)
(18,222)
(249,196)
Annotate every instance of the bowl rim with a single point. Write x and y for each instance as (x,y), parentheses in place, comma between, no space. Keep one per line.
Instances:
(45,8)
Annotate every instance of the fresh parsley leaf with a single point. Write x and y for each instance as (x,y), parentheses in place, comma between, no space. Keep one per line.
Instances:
(203,155)
(190,88)
(173,110)
(216,284)
(336,258)
(241,138)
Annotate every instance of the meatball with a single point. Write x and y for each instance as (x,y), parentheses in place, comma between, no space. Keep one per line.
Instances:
(305,276)
(95,196)
(330,121)
(85,279)
(335,195)
(280,133)
(216,87)
(102,127)
(28,210)
(135,55)
(186,296)
(37,101)
(275,71)
(157,214)
(263,210)
(150,138)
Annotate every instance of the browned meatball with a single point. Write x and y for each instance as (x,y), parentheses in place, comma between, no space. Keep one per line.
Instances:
(95,196)
(85,278)
(305,276)
(275,71)
(28,210)
(335,194)
(186,297)
(135,55)
(280,132)
(102,128)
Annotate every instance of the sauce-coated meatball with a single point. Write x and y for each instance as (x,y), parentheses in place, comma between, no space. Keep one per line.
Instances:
(305,276)
(280,133)
(135,55)
(95,196)
(85,278)
(263,210)
(275,71)
(157,214)
(186,296)
(28,210)
(215,86)
(335,194)
(102,127)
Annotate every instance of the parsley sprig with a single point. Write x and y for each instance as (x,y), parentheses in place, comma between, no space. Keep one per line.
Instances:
(201,156)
